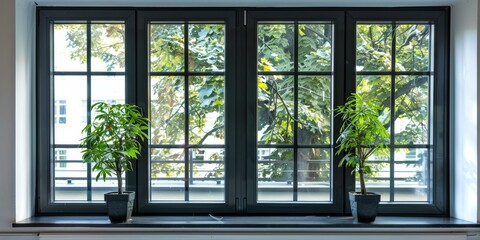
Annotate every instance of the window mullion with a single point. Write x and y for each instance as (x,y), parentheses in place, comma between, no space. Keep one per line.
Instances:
(89,103)
(295,112)
(392,115)
(187,116)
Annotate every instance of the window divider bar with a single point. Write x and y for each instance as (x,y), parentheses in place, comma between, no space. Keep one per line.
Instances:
(392,115)
(187,114)
(394,73)
(186,146)
(89,103)
(327,146)
(189,73)
(80,73)
(295,112)
(329,73)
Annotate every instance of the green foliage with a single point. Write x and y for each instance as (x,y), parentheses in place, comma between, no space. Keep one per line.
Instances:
(113,139)
(275,109)
(362,134)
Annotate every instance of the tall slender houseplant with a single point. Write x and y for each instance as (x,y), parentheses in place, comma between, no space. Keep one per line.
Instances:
(112,142)
(362,135)
(112,139)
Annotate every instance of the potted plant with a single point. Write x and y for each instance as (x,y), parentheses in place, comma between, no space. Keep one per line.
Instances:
(112,142)
(362,134)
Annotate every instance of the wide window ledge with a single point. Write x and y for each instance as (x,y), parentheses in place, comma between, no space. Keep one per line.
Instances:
(254,222)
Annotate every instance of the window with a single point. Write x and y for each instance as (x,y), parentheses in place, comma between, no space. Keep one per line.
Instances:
(241,106)
(60,157)
(60,112)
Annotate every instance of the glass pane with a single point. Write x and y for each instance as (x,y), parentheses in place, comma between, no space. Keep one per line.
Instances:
(275,109)
(206,47)
(378,90)
(314,174)
(167,110)
(412,47)
(167,44)
(374,47)
(108,47)
(207,175)
(275,47)
(167,174)
(207,113)
(379,180)
(109,89)
(411,110)
(70,175)
(70,47)
(70,94)
(274,175)
(314,109)
(412,174)
(315,47)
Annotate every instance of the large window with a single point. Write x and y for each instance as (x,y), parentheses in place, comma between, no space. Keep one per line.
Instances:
(241,106)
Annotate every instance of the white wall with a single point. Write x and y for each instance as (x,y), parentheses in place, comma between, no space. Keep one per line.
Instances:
(24,99)
(464,89)
(7,114)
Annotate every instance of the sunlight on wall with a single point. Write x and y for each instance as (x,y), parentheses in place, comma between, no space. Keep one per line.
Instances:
(24,111)
(464,63)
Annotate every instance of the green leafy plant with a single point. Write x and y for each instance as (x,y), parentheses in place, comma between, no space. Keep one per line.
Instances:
(113,139)
(362,134)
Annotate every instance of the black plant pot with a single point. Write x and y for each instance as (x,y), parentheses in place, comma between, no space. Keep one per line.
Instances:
(119,207)
(364,207)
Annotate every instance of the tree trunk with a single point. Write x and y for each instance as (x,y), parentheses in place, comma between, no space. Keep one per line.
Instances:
(303,166)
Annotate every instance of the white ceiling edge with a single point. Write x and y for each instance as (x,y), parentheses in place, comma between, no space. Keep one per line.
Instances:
(248,3)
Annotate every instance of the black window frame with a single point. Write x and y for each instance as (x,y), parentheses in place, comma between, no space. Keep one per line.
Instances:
(44,92)
(240,72)
(440,18)
(181,16)
(336,18)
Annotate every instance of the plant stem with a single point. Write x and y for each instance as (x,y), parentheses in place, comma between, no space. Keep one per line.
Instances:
(362,182)
(118,172)
(361,171)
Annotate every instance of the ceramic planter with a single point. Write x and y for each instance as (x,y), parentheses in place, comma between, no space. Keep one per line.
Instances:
(364,207)
(120,207)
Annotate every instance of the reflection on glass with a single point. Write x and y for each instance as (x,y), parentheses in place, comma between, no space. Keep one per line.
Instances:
(412,174)
(167,174)
(206,48)
(206,115)
(374,47)
(167,110)
(411,110)
(70,109)
(167,43)
(275,47)
(274,174)
(207,174)
(413,44)
(314,174)
(379,180)
(315,42)
(70,182)
(70,47)
(108,47)
(314,109)
(275,109)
